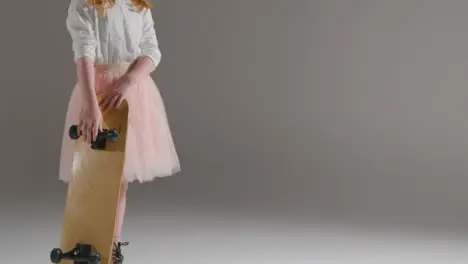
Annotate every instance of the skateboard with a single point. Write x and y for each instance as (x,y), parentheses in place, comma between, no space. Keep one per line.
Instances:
(93,193)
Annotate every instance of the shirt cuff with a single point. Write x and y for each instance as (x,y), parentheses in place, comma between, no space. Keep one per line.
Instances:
(154,56)
(87,51)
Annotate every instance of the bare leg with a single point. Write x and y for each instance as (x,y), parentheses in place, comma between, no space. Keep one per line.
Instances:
(120,211)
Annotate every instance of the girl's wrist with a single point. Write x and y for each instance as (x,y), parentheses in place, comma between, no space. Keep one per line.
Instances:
(130,79)
(91,100)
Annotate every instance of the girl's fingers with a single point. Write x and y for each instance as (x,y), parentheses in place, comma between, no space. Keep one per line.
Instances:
(83,131)
(79,128)
(110,102)
(95,131)
(105,102)
(89,134)
(113,101)
(119,101)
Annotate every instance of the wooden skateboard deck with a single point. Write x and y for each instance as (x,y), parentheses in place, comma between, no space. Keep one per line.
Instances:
(93,194)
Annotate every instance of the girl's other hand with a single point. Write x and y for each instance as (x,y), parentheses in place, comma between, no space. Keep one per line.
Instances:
(113,98)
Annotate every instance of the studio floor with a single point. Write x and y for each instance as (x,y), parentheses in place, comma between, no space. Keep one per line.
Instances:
(28,233)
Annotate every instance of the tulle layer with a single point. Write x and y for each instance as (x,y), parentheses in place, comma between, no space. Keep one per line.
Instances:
(150,151)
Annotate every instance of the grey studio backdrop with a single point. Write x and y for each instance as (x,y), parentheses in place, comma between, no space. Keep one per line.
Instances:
(349,112)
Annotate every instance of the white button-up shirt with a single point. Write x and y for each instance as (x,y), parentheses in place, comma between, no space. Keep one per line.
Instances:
(120,36)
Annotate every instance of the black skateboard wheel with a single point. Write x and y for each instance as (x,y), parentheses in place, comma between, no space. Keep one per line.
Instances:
(73,132)
(56,255)
(113,135)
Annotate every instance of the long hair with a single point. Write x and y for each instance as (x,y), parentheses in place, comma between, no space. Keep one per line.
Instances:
(101,5)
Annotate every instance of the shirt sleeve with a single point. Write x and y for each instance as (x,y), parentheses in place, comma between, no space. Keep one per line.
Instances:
(80,26)
(149,43)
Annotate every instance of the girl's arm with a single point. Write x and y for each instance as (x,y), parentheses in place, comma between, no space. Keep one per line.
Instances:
(80,26)
(86,80)
(140,69)
(150,52)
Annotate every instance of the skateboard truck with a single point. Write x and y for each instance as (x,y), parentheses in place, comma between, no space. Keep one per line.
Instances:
(81,254)
(101,139)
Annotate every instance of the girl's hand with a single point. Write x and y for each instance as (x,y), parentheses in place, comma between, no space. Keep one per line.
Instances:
(114,97)
(90,122)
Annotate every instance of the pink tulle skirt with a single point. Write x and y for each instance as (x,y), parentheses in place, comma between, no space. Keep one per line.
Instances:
(150,151)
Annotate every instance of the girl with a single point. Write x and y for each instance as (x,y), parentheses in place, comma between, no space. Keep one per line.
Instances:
(115,49)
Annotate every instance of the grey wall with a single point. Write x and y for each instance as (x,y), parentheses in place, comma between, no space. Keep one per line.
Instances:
(354,110)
